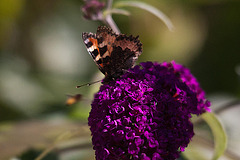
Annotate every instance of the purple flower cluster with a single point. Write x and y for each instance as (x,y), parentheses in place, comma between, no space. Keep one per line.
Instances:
(186,77)
(146,113)
(92,9)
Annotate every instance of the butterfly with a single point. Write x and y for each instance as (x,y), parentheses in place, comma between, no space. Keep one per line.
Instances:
(113,53)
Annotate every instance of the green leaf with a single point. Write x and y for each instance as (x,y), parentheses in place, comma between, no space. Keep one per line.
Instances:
(148,8)
(220,137)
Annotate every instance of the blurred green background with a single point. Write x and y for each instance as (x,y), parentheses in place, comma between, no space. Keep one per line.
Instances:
(43,58)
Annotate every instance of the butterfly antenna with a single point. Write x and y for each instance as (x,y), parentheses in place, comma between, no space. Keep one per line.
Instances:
(88,84)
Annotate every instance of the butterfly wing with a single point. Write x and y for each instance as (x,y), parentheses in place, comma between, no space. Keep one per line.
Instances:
(113,53)
(91,44)
(119,52)
(129,48)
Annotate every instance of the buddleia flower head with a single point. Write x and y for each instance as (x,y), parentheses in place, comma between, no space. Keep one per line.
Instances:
(145,114)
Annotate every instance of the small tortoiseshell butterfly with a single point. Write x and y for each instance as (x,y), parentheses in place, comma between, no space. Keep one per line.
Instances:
(113,53)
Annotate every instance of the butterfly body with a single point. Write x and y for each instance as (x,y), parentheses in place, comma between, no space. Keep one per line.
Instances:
(113,53)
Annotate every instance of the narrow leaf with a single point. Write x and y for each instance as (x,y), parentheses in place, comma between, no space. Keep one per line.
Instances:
(116,11)
(220,137)
(148,8)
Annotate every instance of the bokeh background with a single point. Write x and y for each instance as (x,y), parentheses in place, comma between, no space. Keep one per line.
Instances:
(43,58)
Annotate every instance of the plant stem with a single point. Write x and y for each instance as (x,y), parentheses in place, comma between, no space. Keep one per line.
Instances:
(109,20)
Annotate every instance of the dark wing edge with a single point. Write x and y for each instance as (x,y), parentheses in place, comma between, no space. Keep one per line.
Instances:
(105,29)
(134,43)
